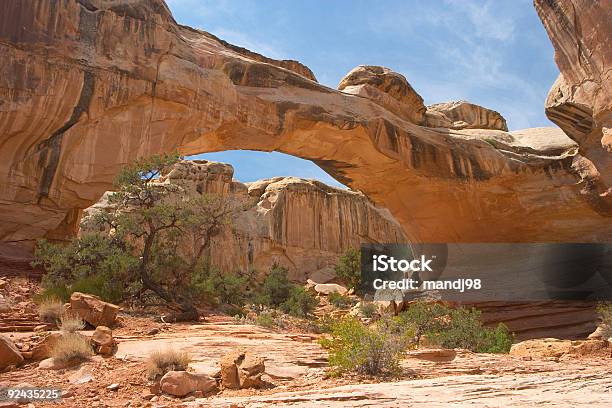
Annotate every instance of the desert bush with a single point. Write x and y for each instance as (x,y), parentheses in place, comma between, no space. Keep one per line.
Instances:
(50,309)
(162,361)
(265,319)
(456,328)
(210,285)
(605,313)
(348,268)
(300,303)
(338,300)
(275,289)
(367,309)
(92,264)
(369,350)
(71,323)
(72,347)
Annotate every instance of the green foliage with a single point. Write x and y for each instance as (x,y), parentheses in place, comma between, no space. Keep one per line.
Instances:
(265,319)
(159,239)
(456,328)
(92,264)
(339,300)
(367,309)
(349,268)
(275,289)
(300,302)
(370,350)
(210,285)
(605,313)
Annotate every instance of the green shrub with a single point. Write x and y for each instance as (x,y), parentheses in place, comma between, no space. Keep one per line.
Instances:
(349,268)
(300,303)
(210,285)
(370,350)
(338,300)
(456,328)
(276,288)
(367,309)
(265,319)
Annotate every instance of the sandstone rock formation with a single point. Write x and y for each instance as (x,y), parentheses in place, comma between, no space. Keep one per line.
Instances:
(181,383)
(9,353)
(93,310)
(303,225)
(580,101)
(240,369)
(89,85)
(464,115)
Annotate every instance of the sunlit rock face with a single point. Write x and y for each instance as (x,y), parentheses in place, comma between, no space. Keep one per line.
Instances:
(580,101)
(301,224)
(87,86)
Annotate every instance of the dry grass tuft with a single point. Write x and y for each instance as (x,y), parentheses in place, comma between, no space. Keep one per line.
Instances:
(50,310)
(160,362)
(72,347)
(71,323)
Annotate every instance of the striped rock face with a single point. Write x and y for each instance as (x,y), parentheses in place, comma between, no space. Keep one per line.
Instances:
(87,86)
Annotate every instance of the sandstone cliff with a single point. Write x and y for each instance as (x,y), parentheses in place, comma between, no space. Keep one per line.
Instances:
(301,224)
(89,85)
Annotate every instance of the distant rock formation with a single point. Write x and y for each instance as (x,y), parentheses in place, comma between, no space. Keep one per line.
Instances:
(304,225)
(88,86)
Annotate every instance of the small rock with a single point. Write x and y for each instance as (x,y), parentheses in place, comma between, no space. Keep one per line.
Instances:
(602,331)
(54,364)
(147,395)
(40,327)
(181,383)
(113,387)
(93,310)
(329,288)
(9,353)
(84,375)
(102,340)
(152,331)
(242,370)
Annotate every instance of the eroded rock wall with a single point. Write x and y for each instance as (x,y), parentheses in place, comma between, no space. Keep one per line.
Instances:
(90,85)
(301,224)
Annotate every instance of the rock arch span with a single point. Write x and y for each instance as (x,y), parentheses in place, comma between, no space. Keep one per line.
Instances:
(90,85)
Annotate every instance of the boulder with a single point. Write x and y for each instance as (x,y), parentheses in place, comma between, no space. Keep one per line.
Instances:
(93,310)
(42,349)
(240,369)
(464,115)
(181,383)
(102,340)
(329,288)
(9,353)
(544,348)
(386,88)
(55,364)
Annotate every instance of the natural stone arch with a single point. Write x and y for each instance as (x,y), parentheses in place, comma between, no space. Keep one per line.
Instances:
(99,84)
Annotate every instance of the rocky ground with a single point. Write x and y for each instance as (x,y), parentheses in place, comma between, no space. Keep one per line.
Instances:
(548,372)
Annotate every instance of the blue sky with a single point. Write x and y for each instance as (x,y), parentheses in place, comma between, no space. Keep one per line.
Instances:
(491,52)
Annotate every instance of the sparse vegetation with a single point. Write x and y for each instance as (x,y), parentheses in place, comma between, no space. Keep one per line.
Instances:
(367,309)
(605,313)
(162,361)
(275,289)
(158,245)
(72,347)
(50,309)
(265,319)
(456,328)
(300,303)
(349,268)
(71,323)
(370,350)
(338,300)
